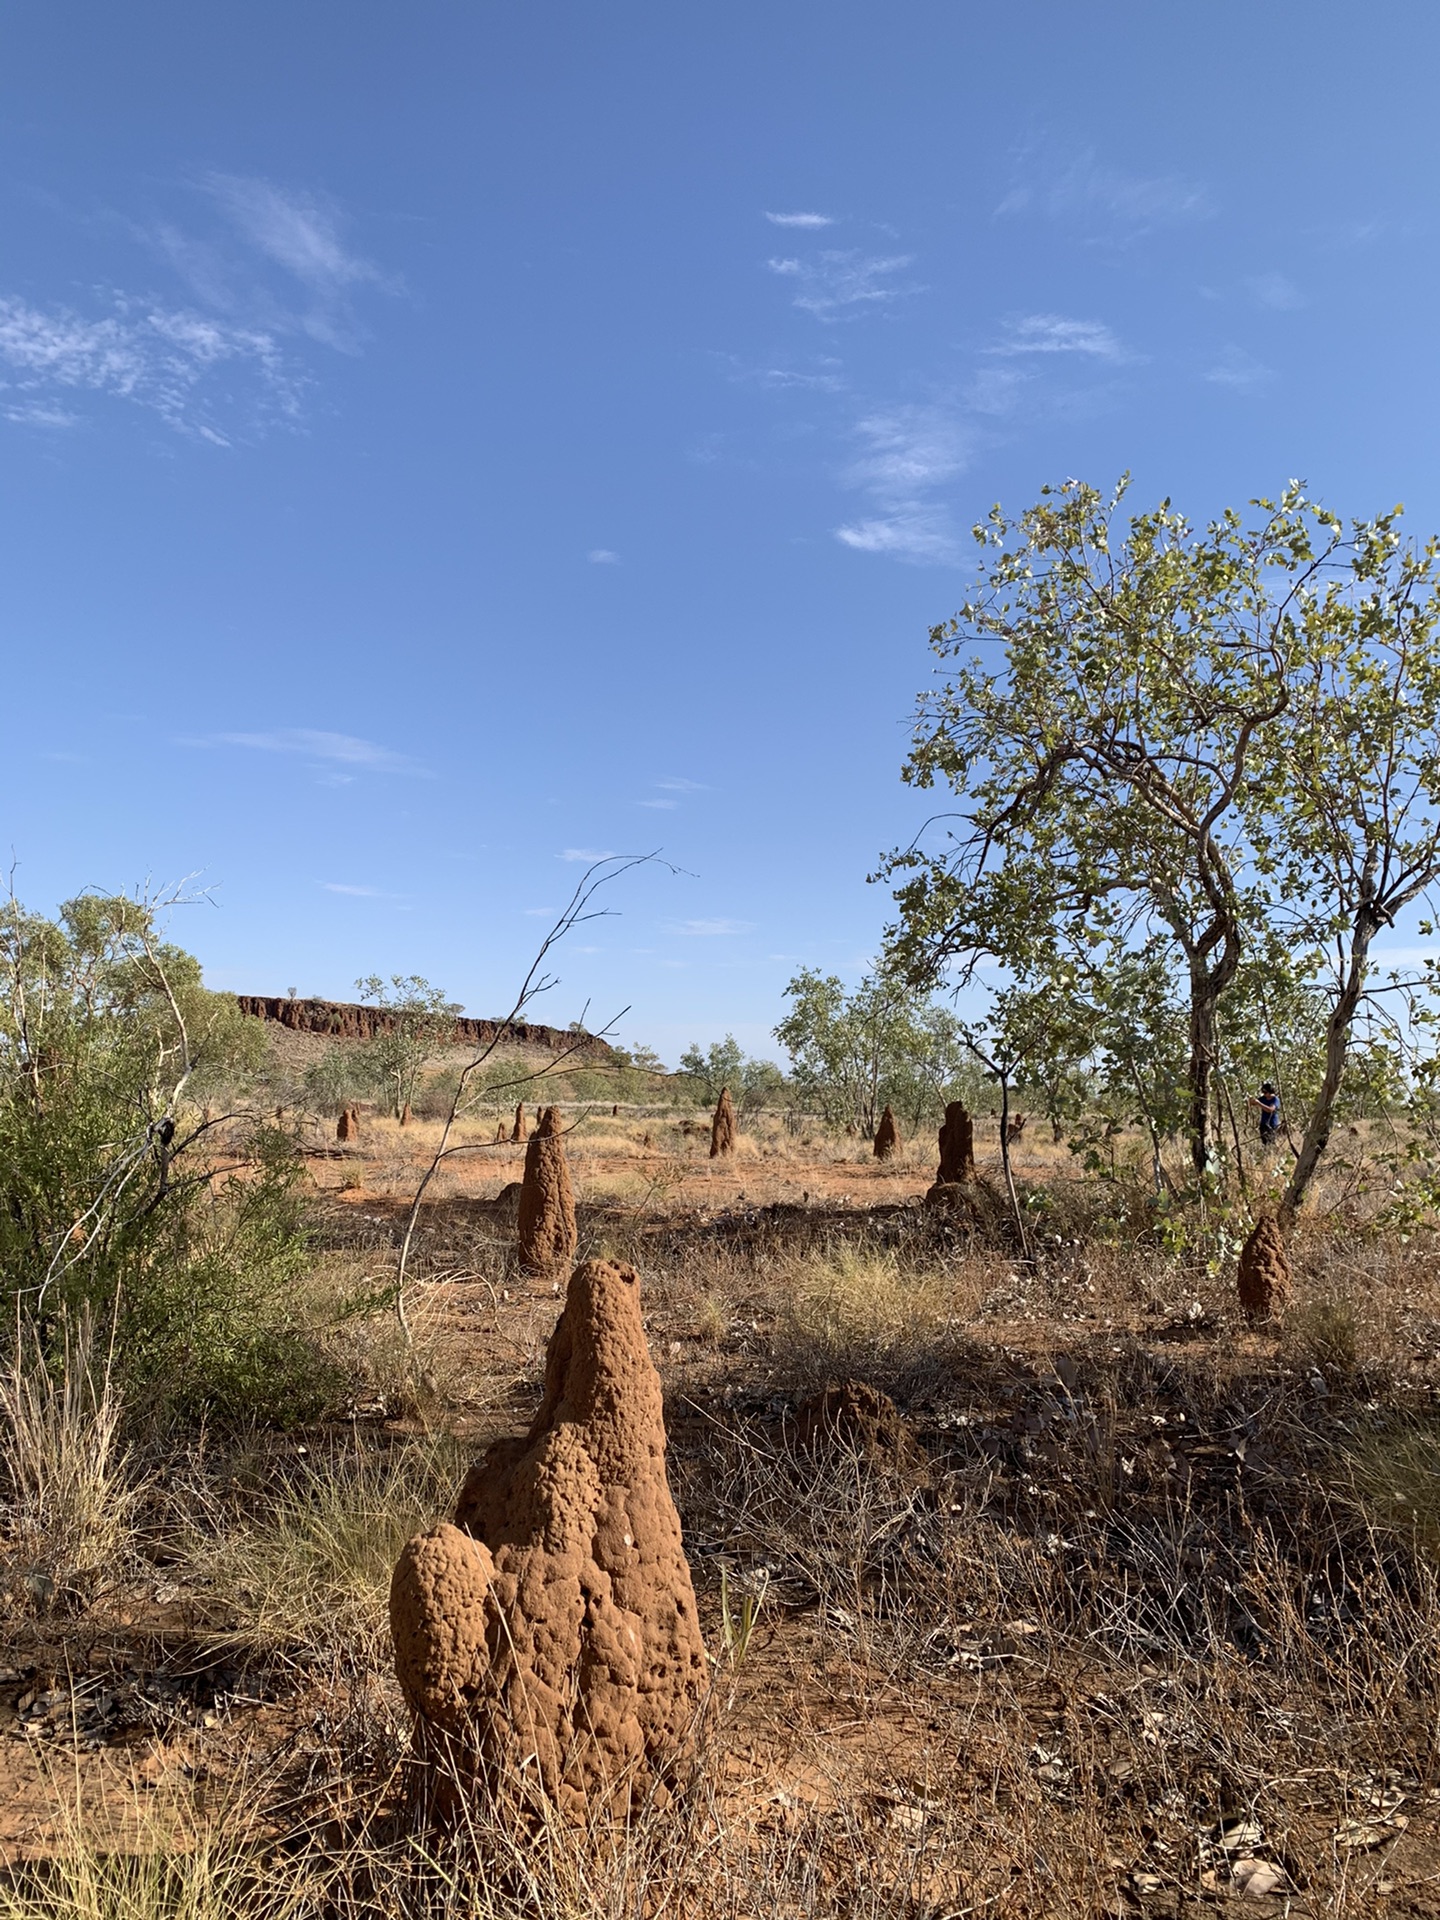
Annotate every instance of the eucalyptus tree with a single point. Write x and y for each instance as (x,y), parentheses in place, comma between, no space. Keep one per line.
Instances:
(419,1022)
(1348,835)
(884,1043)
(1190,737)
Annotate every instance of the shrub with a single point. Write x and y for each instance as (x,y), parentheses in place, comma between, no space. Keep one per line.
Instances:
(118,1198)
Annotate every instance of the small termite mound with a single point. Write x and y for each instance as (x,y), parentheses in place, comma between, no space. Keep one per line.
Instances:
(547,1205)
(854,1417)
(722,1127)
(519,1130)
(342,1125)
(1263,1282)
(887,1137)
(407,1118)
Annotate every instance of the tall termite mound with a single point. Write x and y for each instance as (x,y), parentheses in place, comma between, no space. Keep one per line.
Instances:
(547,1205)
(722,1127)
(519,1130)
(342,1125)
(887,1137)
(407,1118)
(1263,1282)
(549,1638)
(957,1156)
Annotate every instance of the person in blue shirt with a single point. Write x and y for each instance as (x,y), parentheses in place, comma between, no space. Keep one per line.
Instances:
(1268,1101)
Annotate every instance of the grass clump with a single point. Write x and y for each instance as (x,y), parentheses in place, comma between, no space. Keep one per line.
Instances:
(69,1494)
(850,1309)
(308,1567)
(208,1880)
(1395,1473)
(1325,1333)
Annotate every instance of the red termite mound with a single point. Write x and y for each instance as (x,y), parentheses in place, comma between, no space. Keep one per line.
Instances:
(342,1125)
(1263,1282)
(406,1116)
(549,1637)
(547,1205)
(957,1145)
(722,1127)
(957,1156)
(856,1417)
(887,1137)
(518,1131)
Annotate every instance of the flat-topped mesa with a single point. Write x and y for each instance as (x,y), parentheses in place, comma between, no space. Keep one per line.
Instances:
(547,1204)
(722,1127)
(343,1020)
(548,1641)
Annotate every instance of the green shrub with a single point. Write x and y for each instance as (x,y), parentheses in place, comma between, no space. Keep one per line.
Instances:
(118,1199)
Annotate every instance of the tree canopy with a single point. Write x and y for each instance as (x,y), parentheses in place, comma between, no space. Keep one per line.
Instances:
(1217,746)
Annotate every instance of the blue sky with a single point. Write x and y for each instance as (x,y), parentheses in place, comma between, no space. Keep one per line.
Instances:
(440,441)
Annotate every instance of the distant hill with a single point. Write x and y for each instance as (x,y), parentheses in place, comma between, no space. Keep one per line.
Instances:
(344,1020)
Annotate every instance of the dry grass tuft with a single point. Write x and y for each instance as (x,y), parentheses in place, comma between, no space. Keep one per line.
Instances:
(1395,1473)
(308,1566)
(71,1497)
(849,1309)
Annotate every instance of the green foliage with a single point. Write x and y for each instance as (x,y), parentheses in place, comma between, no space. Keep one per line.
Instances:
(754,1084)
(338,1078)
(885,1044)
(118,1199)
(1214,748)
(421,1021)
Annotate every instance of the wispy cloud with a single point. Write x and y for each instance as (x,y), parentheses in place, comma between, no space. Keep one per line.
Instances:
(39,414)
(1240,371)
(301,232)
(1273,290)
(799,219)
(1053,333)
(588,854)
(315,744)
(997,390)
(680,786)
(660,806)
(360,893)
(271,271)
(823,381)
(1103,200)
(602,557)
(155,357)
(303,235)
(711,929)
(910,451)
(841,285)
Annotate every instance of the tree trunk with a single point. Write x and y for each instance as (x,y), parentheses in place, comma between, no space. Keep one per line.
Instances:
(1015,1213)
(1202,1055)
(1337,1045)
